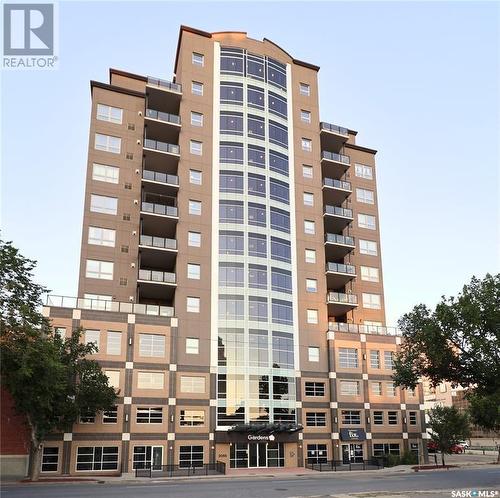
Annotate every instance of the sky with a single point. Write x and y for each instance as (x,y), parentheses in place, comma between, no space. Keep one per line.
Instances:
(418,81)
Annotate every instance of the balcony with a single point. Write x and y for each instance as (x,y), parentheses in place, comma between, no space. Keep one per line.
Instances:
(159,215)
(354,328)
(157,252)
(338,274)
(337,246)
(108,305)
(159,209)
(333,136)
(162,125)
(160,183)
(335,191)
(156,285)
(336,218)
(160,156)
(340,303)
(164,85)
(156,276)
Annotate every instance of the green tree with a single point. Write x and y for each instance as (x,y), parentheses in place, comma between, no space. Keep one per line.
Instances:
(458,342)
(51,380)
(448,426)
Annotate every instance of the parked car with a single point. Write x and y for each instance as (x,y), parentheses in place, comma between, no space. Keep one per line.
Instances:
(464,444)
(455,448)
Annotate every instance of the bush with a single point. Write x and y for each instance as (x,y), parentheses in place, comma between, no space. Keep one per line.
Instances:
(409,458)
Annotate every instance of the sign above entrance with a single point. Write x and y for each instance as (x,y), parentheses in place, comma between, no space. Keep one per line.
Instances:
(352,434)
(261,437)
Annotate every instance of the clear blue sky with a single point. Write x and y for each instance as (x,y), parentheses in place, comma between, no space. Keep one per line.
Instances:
(419,81)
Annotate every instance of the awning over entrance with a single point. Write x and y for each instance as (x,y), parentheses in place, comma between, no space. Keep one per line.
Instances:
(259,433)
(352,434)
(266,428)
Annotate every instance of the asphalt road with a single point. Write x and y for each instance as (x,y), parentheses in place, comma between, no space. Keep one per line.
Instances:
(421,485)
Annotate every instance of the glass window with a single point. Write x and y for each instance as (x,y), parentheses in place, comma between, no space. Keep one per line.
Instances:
(192,418)
(278,134)
(196,147)
(92,336)
(193,304)
(307,171)
(190,456)
(192,345)
(196,118)
(310,256)
(60,331)
(311,285)
(256,126)
(279,191)
(110,416)
(99,269)
(282,312)
(231,348)
(276,73)
(305,116)
(194,239)
(255,97)
(392,418)
(196,88)
(281,250)
(108,143)
(366,221)
(258,353)
(231,93)
(312,317)
(348,358)
(198,59)
(256,156)
(147,457)
(192,384)
(257,276)
(391,389)
(378,418)
(368,247)
(113,378)
(283,350)
(315,389)
(389,360)
(103,204)
(374,358)
(257,245)
(277,104)
(256,185)
(149,415)
(304,89)
(114,343)
(231,242)
(371,301)
(231,307)
(309,227)
(316,453)
(413,418)
(280,220)
(231,211)
(86,417)
(231,153)
(108,113)
(231,123)
(150,380)
(257,308)
(313,353)
(255,66)
(281,280)
(351,417)
(377,388)
(381,449)
(365,196)
(278,162)
(92,458)
(231,61)
(315,419)
(369,274)
(257,214)
(193,271)
(152,345)
(195,177)
(102,236)
(195,207)
(349,388)
(231,274)
(50,459)
(363,171)
(105,173)
(308,199)
(231,181)
(306,144)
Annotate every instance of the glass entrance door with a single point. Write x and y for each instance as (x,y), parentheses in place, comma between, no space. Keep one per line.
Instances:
(352,453)
(257,454)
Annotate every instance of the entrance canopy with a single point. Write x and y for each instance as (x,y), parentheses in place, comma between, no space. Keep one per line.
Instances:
(266,428)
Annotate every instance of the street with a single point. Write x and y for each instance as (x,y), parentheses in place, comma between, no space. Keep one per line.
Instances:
(422,484)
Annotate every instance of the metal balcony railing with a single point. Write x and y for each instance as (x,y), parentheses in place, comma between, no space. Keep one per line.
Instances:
(157,276)
(161,146)
(355,328)
(156,176)
(340,130)
(150,207)
(340,297)
(163,116)
(159,242)
(333,156)
(339,239)
(168,85)
(338,211)
(330,182)
(341,268)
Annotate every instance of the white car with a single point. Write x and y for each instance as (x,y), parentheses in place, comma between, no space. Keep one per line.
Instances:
(463,444)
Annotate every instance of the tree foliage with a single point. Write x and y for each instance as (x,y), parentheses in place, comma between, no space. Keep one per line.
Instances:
(51,380)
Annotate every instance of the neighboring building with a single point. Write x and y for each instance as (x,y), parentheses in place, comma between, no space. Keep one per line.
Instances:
(231,273)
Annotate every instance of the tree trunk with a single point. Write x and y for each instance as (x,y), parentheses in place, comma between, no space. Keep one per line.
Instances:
(35,463)
(442,457)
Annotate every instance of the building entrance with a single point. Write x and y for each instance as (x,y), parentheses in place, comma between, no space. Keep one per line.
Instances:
(257,455)
(352,453)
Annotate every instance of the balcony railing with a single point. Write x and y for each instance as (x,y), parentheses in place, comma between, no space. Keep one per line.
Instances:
(150,207)
(340,297)
(161,146)
(339,239)
(355,328)
(341,268)
(333,156)
(175,87)
(334,128)
(330,182)
(155,176)
(104,305)
(338,211)
(157,276)
(158,242)
(163,116)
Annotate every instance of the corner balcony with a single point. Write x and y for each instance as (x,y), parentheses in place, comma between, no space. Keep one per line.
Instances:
(163,125)
(354,328)
(156,285)
(334,164)
(337,246)
(335,191)
(157,252)
(336,218)
(160,156)
(340,303)
(338,274)
(333,136)
(163,95)
(160,183)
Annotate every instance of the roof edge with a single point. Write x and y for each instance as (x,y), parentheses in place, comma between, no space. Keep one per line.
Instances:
(114,88)
(306,64)
(189,30)
(126,74)
(359,147)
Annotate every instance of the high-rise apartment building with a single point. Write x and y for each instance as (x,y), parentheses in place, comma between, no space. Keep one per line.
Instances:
(231,273)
